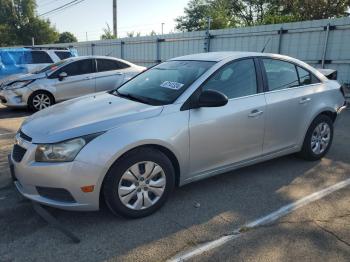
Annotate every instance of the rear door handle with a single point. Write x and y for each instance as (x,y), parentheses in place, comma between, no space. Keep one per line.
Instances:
(88,78)
(305,100)
(255,113)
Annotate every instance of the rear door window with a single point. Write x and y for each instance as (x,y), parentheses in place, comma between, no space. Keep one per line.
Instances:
(63,54)
(104,65)
(280,74)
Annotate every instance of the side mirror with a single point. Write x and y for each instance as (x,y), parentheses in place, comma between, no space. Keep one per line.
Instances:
(62,76)
(211,98)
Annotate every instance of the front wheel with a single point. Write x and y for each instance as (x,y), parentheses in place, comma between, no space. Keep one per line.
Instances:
(318,139)
(40,100)
(139,183)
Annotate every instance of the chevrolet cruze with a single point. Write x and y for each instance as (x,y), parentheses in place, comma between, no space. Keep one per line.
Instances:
(183,120)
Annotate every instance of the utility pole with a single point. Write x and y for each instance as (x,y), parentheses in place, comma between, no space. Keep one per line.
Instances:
(163,28)
(86,36)
(115,31)
(207,36)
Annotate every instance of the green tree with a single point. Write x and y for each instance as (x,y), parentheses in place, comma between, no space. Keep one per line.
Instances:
(19,23)
(67,37)
(195,16)
(233,13)
(107,33)
(316,9)
(130,34)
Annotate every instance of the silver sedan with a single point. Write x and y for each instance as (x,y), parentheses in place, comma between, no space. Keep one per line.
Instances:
(186,119)
(66,79)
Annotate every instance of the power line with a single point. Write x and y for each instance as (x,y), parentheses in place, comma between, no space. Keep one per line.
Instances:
(62,7)
(47,3)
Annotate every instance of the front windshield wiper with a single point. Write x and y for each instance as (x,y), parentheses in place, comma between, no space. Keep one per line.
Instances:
(132,97)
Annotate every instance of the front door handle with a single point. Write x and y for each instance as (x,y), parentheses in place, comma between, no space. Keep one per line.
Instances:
(255,113)
(305,100)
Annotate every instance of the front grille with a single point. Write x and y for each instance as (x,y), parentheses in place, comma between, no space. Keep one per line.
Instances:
(24,136)
(18,153)
(57,194)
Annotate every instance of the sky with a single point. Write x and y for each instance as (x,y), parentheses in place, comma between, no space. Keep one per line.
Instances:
(91,16)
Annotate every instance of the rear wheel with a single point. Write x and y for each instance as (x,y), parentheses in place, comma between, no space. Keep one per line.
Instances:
(139,183)
(40,100)
(318,138)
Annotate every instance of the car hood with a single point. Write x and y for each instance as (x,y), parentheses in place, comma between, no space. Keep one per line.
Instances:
(20,77)
(85,115)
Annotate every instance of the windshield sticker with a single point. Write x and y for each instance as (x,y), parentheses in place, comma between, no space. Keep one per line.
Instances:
(172,85)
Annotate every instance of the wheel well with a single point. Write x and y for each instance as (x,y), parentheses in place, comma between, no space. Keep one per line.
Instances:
(162,149)
(172,158)
(330,114)
(42,91)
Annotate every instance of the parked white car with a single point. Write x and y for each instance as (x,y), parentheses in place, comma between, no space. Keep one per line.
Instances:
(65,80)
(19,61)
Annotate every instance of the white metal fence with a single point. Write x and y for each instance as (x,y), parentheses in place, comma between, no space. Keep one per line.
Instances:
(321,43)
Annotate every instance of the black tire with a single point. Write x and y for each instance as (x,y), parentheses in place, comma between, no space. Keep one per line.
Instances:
(32,100)
(306,152)
(115,173)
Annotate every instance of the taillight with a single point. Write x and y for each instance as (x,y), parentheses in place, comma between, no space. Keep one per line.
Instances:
(342,90)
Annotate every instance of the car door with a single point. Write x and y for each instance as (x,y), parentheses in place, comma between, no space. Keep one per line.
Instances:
(288,99)
(80,79)
(109,74)
(233,133)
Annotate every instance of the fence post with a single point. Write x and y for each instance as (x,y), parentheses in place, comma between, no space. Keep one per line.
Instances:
(280,33)
(92,48)
(325,44)
(122,49)
(158,51)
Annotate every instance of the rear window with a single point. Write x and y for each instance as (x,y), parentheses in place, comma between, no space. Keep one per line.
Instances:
(63,54)
(110,65)
(27,57)
(38,57)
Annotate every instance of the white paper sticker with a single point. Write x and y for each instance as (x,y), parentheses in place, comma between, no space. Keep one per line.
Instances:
(172,85)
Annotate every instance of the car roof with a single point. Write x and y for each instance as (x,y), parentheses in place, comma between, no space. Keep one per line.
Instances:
(76,58)
(95,56)
(219,56)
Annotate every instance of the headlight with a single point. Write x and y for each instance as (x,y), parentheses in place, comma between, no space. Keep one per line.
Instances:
(18,84)
(65,151)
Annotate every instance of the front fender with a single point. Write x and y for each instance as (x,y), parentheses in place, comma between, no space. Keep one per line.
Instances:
(167,130)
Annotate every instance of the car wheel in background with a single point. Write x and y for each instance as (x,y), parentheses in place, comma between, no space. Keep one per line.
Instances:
(40,100)
(139,183)
(318,138)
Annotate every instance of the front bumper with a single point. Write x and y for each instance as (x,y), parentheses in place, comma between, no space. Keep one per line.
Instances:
(13,98)
(29,177)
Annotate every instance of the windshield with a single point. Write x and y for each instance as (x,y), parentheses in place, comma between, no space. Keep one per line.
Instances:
(50,68)
(164,83)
